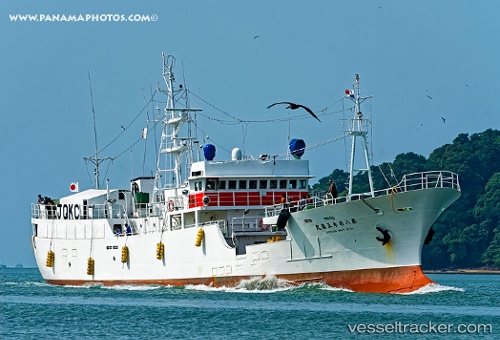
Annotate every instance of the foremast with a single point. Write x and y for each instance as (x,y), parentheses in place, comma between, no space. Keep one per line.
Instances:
(176,152)
(358,130)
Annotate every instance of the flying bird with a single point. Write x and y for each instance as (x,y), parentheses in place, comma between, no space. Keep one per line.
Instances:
(420,126)
(123,127)
(293,106)
(444,119)
(428,96)
(257,36)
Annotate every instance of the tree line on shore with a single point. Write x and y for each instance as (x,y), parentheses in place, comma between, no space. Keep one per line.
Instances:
(467,234)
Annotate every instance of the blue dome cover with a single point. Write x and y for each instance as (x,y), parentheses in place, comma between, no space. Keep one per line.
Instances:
(209,152)
(297,147)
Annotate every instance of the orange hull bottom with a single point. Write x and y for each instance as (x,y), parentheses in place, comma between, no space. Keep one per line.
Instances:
(380,280)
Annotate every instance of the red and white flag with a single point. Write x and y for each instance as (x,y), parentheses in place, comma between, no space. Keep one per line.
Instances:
(73,187)
(144,132)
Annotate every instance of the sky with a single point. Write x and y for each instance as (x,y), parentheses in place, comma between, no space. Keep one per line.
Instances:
(420,60)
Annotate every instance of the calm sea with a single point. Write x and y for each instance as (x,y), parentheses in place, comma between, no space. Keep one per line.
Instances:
(459,306)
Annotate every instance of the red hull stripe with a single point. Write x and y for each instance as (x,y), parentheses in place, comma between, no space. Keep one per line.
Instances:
(382,280)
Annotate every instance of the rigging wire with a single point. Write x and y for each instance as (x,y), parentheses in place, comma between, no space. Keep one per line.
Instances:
(106,173)
(132,122)
(234,121)
(244,128)
(134,144)
(317,145)
(88,172)
(213,106)
(147,128)
(388,164)
(240,121)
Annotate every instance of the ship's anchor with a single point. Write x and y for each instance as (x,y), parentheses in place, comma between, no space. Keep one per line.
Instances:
(386,236)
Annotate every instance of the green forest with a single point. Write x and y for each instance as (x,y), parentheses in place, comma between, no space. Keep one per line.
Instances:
(467,234)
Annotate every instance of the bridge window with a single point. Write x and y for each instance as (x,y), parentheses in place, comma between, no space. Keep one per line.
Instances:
(221,185)
(211,184)
(292,184)
(302,184)
(273,184)
(231,184)
(282,183)
(263,184)
(252,184)
(242,184)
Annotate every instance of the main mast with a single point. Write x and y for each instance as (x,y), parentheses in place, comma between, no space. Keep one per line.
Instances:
(358,129)
(175,150)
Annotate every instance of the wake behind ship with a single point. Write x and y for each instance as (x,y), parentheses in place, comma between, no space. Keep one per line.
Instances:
(217,222)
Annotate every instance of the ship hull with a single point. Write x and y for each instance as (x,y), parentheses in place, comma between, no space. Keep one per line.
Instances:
(336,244)
(379,280)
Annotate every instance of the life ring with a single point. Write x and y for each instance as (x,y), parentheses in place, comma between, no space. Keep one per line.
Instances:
(171,205)
(262,226)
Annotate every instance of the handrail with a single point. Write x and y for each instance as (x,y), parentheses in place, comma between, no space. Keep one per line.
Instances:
(410,182)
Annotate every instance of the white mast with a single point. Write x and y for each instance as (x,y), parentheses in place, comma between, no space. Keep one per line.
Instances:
(358,128)
(173,147)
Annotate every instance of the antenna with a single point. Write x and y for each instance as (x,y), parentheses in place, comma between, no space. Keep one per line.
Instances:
(96,160)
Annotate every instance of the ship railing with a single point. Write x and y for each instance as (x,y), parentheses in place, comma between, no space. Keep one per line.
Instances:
(428,180)
(247,224)
(318,199)
(78,212)
(142,210)
(222,224)
(410,182)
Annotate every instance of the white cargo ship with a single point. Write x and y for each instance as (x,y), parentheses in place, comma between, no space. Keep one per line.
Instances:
(218,222)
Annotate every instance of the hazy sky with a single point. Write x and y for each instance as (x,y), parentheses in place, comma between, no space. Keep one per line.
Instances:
(421,61)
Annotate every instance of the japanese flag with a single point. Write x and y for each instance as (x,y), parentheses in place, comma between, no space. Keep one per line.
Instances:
(73,187)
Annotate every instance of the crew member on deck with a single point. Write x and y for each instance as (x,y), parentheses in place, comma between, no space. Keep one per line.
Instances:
(332,190)
(291,204)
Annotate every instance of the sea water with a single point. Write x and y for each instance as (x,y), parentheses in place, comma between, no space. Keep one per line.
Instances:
(457,306)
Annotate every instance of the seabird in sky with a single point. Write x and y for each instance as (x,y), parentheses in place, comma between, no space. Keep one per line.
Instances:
(293,106)
(428,96)
(444,119)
